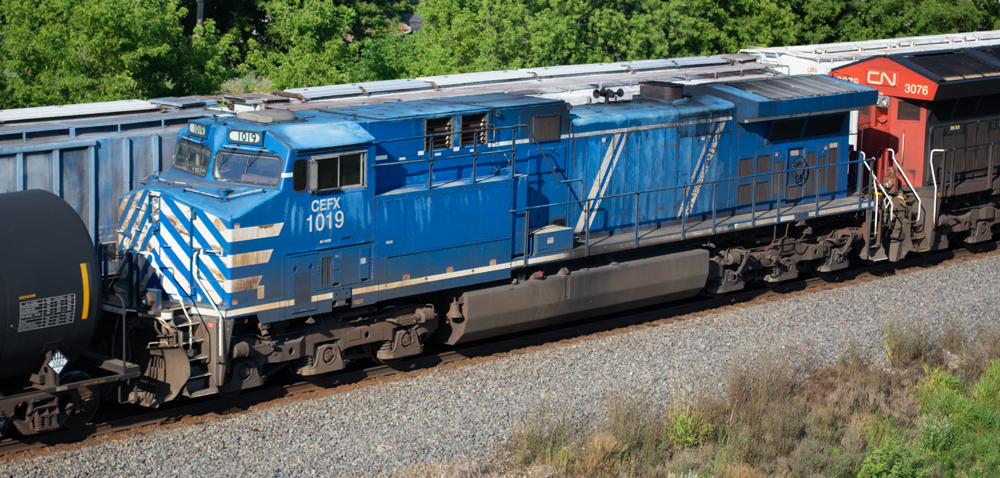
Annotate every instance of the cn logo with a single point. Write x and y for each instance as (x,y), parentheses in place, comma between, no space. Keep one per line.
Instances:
(881,78)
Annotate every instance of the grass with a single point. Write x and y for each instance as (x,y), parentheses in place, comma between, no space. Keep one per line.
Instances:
(905,344)
(919,417)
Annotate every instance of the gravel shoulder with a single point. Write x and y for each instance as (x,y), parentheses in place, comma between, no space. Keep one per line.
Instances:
(393,426)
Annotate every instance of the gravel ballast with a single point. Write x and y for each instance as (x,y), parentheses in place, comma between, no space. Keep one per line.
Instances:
(392,427)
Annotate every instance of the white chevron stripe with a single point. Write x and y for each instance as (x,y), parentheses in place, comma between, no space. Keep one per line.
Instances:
(175,246)
(175,216)
(134,202)
(247,259)
(169,282)
(244,233)
(213,244)
(253,232)
(240,285)
(705,159)
(601,180)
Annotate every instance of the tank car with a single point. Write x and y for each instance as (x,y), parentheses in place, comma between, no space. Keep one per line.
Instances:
(314,239)
(50,284)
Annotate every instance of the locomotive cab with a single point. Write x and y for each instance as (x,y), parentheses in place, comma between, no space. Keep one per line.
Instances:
(241,188)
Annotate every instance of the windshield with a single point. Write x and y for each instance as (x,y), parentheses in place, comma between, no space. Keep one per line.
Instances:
(247,168)
(192,158)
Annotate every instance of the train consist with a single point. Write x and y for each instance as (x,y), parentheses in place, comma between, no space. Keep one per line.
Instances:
(365,227)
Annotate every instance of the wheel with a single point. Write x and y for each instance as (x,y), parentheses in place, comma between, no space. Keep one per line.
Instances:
(83,401)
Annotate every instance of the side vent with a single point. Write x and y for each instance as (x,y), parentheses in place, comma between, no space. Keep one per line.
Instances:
(326,270)
(546,128)
(438,131)
(473,129)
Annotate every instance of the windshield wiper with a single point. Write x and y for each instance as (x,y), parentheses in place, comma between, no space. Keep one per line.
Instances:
(251,160)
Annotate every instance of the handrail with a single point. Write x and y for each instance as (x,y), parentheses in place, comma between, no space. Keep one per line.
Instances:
(703,183)
(197,277)
(930,160)
(779,175)
(551,169)
(428,160)
(892,209)
(454,132)
(892,156)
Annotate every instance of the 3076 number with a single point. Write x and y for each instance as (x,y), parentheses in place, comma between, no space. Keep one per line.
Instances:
(914,89)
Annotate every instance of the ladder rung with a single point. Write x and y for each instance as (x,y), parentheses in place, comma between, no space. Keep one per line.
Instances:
(198,358)
(195,377)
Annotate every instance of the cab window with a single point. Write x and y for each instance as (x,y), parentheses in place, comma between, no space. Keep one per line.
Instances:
(341,171)
(247,168)
(191,158)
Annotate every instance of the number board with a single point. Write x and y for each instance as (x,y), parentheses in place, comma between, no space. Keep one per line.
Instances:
(196,129)
(237,136)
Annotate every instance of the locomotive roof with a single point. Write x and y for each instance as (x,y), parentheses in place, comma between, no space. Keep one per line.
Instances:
(939,75)
(775,98)
(435,107)
(604,116)
(308,131)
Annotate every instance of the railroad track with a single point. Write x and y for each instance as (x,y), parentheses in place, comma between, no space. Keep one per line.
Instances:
(202,409)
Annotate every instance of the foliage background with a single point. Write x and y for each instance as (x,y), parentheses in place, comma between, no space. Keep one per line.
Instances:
(70,51)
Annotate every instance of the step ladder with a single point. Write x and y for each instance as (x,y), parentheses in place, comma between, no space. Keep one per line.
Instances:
(190,331)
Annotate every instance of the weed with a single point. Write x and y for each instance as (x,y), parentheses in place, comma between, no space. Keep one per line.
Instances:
(978,352)
(953,337)
(849,420)
(987,388)
(905,343)
(545,441)
(688,427)
(602,454)
(936,433)
(892,459)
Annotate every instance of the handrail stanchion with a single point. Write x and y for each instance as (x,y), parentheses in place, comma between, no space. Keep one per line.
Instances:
(715,188)
(920,207)
(816,187)
(586,224)
(777,200)
(636,220)
(782,188)
(527,214)
(684,214)
(930,160)
(860,195)
(753,202)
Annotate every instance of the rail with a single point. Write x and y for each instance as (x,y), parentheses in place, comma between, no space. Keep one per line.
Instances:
(930,160)
(474,154)
(948,179)
(586,204)
(885,194)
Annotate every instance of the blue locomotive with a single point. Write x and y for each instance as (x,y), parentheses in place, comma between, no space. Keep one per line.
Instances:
(322,237)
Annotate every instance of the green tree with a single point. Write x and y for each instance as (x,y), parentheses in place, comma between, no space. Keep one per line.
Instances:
(66,51)
(828,21)
(319,42)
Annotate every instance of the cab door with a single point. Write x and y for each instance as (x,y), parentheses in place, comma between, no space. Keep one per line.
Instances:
(332,212)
